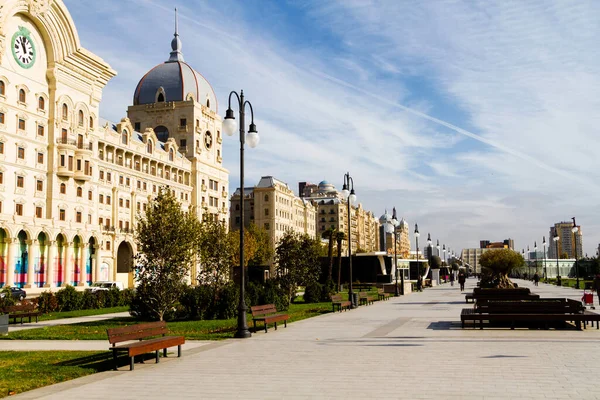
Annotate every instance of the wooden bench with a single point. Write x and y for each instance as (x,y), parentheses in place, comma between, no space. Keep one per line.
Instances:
(357,287)
(540,310)
(22,311)
(501,294)
(142,333)
(382,295)
(364,298)
(336,300)
(268,313)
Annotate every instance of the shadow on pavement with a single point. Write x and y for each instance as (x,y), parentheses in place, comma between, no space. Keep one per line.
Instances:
(103,362)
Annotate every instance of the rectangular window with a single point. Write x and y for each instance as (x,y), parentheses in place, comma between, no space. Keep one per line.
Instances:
(88,171)
(21,153)
(39,185)
(120,202)
(107,245)
(19,209)
(108,222)
(1,147)
(101,199)
(127,225)
(21,124)
(38,212)
(120,224)
(139,184)
(144,185)
(78,217)
(127,182)
(40,159)
(89,218)
(101,175)
(1,118)
(137,126)
(64,135)
(89,195)
(266,212)
(62,215)
(20,181)
(153,188)
(1,178)
(182,122)
(120,179)
(108,176)
(40,130)
(70,163)
(182,143)
(107,199)
(267,226)
(144,206)
(62,160)
(127,204)
(78,165)
(100,221)
(139,206)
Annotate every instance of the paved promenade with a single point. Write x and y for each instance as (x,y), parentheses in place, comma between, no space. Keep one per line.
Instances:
(410,347)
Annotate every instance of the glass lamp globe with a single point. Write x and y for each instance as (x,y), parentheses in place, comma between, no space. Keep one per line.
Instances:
(252,139)
(345,193)
(229,126)
(352,198)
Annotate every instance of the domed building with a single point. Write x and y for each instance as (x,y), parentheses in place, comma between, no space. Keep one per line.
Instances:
(69,204)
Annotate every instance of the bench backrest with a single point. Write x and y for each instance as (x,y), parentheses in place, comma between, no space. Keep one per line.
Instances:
(539,306)
(501,291)
(136,332)
(263,310)
(336,297)
(380,291)
(362,294)
(20,308)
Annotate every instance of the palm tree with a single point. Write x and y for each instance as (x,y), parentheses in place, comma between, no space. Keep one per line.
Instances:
(329,234)
(339,237)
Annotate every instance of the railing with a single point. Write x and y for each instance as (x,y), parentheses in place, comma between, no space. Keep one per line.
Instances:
(85,146)
(108,228)
(68,141)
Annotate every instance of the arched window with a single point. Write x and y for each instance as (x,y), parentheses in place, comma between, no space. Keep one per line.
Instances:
(162,133)
(266,197)
(2,88)
(124,137)
(207,102)
(149,147)
(171,152)
(63,188)
(160,98)
(65,112)
(80,118)
(22,97)
(41,103)
(79,191)
(91,123)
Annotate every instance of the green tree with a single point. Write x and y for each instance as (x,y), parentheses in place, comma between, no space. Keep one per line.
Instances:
(297,258)
(436,262)
(166,238)
(215,252)
(498,264)
(264,249)
(564,256)
(329,235)
(339,238)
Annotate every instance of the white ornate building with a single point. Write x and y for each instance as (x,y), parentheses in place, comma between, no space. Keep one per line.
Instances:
(72,184)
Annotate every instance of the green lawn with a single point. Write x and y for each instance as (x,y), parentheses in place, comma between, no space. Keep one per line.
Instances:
(27,370)
(570,282)
(198,330)
(82,313)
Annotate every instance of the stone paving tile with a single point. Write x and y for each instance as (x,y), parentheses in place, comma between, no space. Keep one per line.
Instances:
(410,347)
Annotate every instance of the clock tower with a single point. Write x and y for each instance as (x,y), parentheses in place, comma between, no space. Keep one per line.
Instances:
(179,105)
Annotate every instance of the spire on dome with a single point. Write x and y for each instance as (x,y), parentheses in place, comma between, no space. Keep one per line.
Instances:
(176,54)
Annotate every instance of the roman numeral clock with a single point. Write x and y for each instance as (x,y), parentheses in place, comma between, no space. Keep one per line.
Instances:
(23,48)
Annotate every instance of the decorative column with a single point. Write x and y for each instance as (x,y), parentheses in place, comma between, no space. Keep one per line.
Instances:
(10,261)
(82,265)
(50,264)
(96,263)
(32,250)
(68,265)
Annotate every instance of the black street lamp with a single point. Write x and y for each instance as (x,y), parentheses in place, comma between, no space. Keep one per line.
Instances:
(350,196)
(229,126)
(395,224)
(429,251)
(535,255)
(529,263)
(417,234)
(545,268)
(574,229)
(555,238)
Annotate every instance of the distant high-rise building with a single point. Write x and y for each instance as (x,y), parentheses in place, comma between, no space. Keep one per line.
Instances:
(569,243)
(505,244)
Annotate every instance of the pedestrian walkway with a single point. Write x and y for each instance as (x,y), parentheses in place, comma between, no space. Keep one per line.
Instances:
(408,347)
(64,321)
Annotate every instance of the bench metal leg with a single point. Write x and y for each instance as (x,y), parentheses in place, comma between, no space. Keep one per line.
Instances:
(265,326)
(165,352)
(254,326)
(157,357)
(131,363)
(179,351)
(284,323)
(275,325)
(115,360)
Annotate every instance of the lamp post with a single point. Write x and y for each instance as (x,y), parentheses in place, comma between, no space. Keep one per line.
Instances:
(350,196)
(24,255)
(417,234)
(523,255)
(574,230)
(529,263)
(555,238)
(444,250)
(429,251)
(229,126)
(545,269)
(395,224)
(535,256)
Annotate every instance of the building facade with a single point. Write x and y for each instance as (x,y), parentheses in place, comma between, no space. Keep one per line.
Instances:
(72,184)
(569,243)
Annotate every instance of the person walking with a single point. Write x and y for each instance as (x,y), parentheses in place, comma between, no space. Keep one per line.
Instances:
(596,285)
(461,280)
(536,279)
(452,278)
(420,284)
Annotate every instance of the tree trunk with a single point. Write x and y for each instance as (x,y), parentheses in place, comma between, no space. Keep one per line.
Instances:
(330,255)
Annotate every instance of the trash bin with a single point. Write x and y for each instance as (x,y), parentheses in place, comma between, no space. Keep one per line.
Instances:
(354,299)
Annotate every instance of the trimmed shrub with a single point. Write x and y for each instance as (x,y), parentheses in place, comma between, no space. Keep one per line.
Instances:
(226,302)
(196,301)
(275,293)
(7,300)
(69,299)
(47,302)
(113,297)
(126,297)
(313,292)
(254,292)
(91,300)
(327,290)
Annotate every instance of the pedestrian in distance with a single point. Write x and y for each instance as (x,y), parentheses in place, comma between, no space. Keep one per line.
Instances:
(536,279)
(420,284)
(461,280)
(596,285)
(452,278)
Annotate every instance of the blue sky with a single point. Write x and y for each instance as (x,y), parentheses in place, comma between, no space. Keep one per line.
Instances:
(478,120)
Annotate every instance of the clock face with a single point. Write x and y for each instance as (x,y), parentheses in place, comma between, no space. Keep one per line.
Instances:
(208,140)
(23,48)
